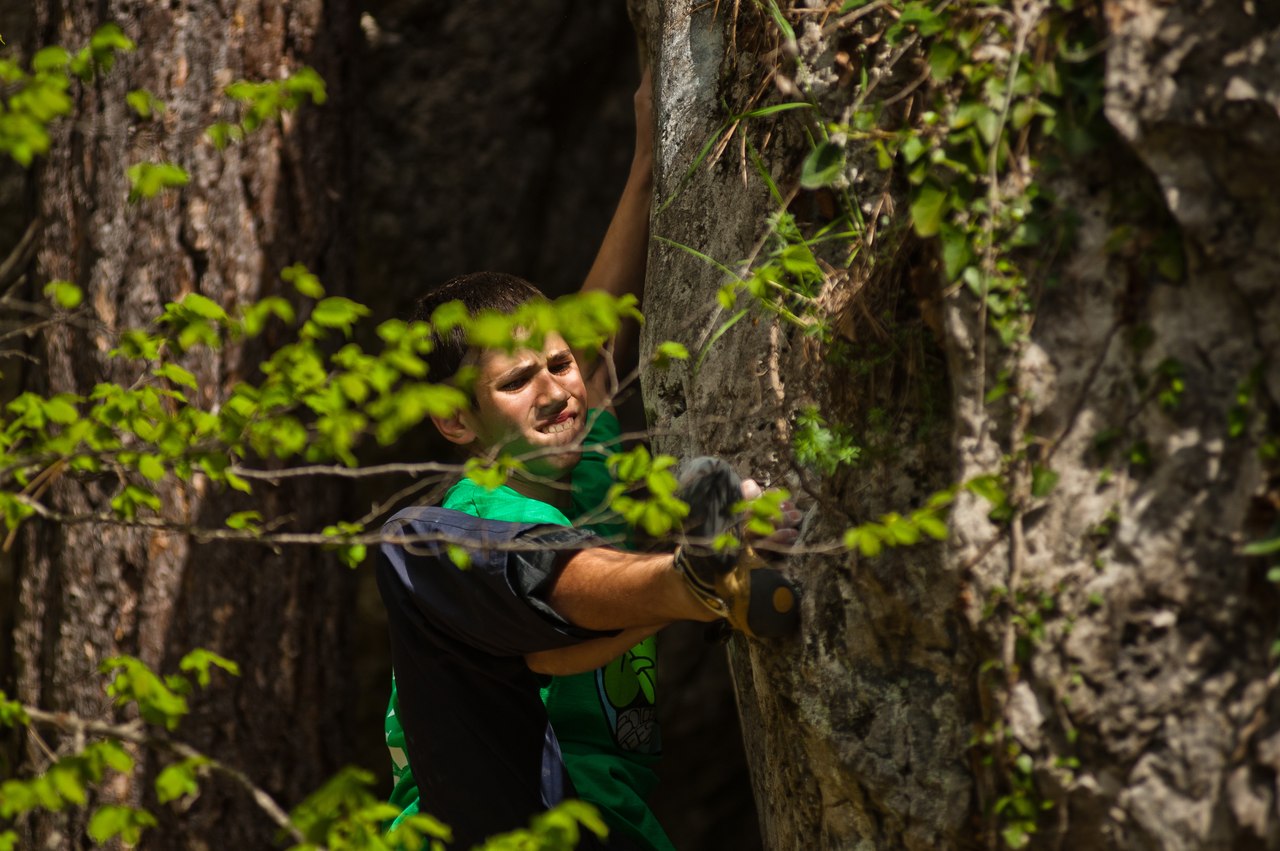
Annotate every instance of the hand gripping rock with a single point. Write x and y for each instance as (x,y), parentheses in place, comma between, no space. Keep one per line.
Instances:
(733,582)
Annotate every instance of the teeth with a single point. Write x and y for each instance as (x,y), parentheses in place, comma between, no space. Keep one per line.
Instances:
(556,428)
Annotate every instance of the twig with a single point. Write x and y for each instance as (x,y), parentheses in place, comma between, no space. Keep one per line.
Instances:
(134,732)
(20,253)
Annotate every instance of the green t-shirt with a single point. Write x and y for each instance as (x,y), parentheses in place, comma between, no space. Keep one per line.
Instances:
(605,720)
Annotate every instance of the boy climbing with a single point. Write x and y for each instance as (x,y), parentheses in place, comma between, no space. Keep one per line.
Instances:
(490,740)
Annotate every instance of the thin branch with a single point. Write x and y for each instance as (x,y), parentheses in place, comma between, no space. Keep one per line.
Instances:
(135,732)
(20,254)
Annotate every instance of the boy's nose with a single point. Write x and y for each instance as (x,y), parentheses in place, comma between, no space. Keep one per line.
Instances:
(552,390)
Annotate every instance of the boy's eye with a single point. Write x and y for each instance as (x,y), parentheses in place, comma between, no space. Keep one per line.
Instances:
(559,367)
(513,384)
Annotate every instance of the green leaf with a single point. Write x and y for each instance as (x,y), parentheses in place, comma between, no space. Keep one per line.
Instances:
(202,306)
(1262,548)
(52,58)
(927,209)
(306,81)
(773,109)
(221,134)
(668,351)
(200,660)
(176,374)
(107,39)
(126,503)
(989,488)
(944,59)
(151,467)
(338,313)
(459,556)
(1043,481)
(926,21)
(956,254)
(303,280)
(113,821)
(245,520)
(12,712)
(179,780)
(61,409)
(783,24)
(823,166)
(68,783)
(82,64)
(64,293)
(134,682)
(489,476)
(932,526)
(144,103)
(236,483)
(864,539)
(149,179)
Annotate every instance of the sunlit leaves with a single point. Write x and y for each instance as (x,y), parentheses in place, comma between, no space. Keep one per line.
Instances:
(560,828)
(896,530)
(303,280)
(265,101)
(667,351)
(64,294)
(134,682)
(145,104)
(114,821)
(763,513)
(66,782)
(820,447)
(345,815)
(12,713)
(338,313)
(146,180)
(200,660)
(35,99)
(180,779)
(309,401)
(490,475)
(351,554)
(659,510)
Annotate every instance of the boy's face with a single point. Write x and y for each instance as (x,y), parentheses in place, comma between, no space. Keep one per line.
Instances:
(530,403)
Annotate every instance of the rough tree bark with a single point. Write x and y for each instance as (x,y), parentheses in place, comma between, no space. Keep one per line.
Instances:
(1144,695)
(87,592)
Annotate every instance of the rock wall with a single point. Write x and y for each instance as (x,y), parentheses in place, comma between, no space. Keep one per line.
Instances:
(1099,654)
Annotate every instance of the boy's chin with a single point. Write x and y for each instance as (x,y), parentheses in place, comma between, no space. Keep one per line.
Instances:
(558,465)
(561,463)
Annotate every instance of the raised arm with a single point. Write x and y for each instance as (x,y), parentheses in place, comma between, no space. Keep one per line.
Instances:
(619,267)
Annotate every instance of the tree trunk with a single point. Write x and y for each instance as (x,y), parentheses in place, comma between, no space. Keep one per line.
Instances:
(88,592)
(1100,652)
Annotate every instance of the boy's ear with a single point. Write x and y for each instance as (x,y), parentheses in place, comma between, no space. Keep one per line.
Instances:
(455,429)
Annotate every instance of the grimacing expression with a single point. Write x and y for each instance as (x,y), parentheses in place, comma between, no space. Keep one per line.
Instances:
(532,404)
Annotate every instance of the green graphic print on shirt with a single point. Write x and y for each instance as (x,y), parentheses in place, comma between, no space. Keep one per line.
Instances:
(605,719)
(627,688)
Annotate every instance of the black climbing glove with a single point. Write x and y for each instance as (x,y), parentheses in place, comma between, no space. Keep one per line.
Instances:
(734,582)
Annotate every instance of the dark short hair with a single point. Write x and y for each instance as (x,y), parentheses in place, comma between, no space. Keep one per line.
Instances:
(477,291)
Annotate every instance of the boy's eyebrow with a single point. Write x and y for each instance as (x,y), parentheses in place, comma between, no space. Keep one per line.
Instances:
(520,369)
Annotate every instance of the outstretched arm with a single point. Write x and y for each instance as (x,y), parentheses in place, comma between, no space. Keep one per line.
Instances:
(602,589)
(619,267)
